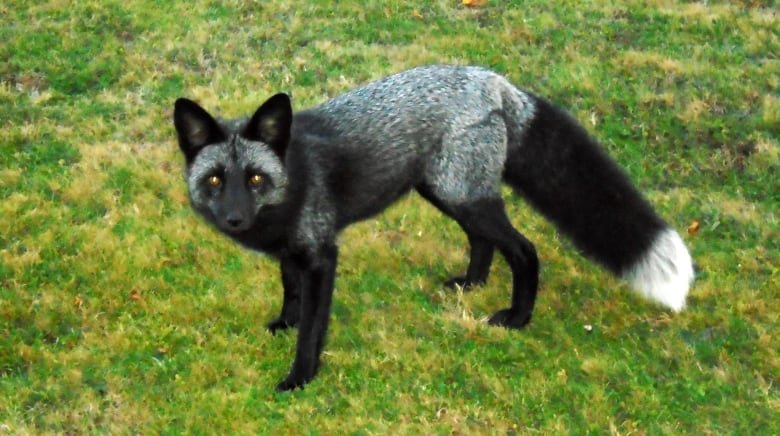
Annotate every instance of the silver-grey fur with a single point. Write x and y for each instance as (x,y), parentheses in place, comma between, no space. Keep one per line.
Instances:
(239,154)
(452,123)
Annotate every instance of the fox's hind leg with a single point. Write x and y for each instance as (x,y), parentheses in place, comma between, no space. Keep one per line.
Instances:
(480,254)
(463,180)
(488,219)
(480,258)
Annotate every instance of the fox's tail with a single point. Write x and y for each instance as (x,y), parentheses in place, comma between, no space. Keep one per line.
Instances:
(567,176)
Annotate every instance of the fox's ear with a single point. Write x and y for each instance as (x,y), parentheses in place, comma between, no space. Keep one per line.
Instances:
(271,123)
(196,128)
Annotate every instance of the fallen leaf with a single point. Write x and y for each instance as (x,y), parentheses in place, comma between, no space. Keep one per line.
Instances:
(474,3)
(693,228)
(416,14)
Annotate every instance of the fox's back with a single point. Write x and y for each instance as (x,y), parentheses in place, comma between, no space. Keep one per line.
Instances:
(407,130)
(412,109)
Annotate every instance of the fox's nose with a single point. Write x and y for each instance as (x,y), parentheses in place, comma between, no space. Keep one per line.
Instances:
(234,220)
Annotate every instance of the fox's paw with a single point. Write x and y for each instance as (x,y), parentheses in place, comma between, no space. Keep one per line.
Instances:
(463,282)
(293,381)
(510,318)
(280,324)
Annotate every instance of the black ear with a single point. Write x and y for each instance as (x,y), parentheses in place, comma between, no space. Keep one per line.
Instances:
(196,128)
(271,123)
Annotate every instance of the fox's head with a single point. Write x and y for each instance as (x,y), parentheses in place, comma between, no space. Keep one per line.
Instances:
(234,169)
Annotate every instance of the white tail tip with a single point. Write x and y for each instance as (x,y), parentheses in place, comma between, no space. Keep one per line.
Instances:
(665,272)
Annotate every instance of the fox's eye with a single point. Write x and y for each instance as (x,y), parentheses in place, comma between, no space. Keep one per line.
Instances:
(214,181)
(256,180)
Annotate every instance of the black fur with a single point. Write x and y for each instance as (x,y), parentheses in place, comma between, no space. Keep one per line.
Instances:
(195,128)
(567,176)
(271,123)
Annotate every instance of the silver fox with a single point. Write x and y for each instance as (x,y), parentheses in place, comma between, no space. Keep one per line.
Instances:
(287,184)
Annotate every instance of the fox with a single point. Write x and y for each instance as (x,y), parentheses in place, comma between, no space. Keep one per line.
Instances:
(286,184)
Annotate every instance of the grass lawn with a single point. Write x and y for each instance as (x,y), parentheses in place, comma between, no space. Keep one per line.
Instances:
(122,312)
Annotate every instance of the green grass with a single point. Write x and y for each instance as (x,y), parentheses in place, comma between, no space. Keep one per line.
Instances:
(122,312)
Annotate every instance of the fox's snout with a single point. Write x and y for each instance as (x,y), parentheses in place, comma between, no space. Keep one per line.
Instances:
(235,222)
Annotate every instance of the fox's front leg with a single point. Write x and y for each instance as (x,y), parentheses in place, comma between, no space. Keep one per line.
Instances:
(291,305)
(316,291)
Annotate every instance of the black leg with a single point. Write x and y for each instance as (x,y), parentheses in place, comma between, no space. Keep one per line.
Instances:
(319,271)
(481,249)
(291,310)
(480,258)
(488,220)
